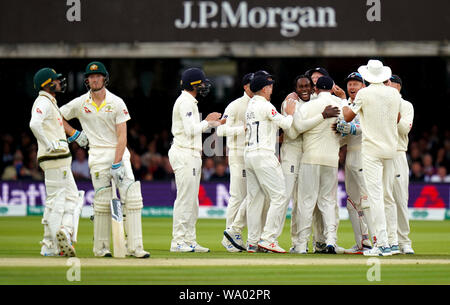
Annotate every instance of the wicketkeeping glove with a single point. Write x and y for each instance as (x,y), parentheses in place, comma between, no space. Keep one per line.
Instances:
(346,128)
(80,138)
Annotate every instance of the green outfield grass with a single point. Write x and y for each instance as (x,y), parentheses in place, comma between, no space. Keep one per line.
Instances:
(20,236)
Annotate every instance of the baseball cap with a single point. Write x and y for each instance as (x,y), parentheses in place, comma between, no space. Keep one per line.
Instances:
(95,67)
(247,78)
(325,83)
(259,82)
(263,73)
(396,79)
(354,76)
(318,69)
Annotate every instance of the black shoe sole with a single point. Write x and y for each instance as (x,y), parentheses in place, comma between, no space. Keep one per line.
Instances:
(331,250)
(230,239)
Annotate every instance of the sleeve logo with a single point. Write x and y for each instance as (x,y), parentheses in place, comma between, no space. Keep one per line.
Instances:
(125,112)
(38,111)
(86,109)
(188,114)
(274,112)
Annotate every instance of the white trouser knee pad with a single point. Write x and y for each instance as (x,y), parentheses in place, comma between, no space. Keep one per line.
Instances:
(102,219)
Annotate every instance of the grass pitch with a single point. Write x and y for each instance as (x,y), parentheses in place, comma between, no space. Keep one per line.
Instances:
(20,262)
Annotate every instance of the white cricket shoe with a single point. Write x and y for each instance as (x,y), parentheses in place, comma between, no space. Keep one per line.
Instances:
(48,251)
(354,250)
(407,249)
(395,249)
(296,249)
(199,249)
(272,247)
(229,246)
(378,251)
(235,239)
(140,253)
(103,253)
(181,247)
(65,243)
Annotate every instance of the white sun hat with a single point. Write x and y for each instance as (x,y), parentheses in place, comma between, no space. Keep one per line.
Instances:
(374,72)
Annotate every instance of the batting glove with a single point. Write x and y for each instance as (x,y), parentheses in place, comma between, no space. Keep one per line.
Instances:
(117,172)
(80,138)
(346,128)
(58,146)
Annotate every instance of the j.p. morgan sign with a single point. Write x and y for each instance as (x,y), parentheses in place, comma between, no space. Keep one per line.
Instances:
(106,21)
(289,19)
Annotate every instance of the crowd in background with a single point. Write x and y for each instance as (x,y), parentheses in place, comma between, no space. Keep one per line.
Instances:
(428,157)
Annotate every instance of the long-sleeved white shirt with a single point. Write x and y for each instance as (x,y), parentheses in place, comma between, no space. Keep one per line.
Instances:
(263,122)
(405,124)
(354,141)
(378,106)
(234,128)
(187,128)
(47,125)
(320,143)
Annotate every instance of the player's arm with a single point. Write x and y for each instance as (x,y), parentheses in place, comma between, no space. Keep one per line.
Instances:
(190,126)
(406,119)
(280,120)
(121,131)
(291,132)
(68,112)
(302,123)
(38,115)
(226,130)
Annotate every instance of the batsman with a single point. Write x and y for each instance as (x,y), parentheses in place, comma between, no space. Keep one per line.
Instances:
(103,116)
(63,201)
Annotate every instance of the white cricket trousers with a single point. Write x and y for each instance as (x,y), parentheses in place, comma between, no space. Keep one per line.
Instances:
(400,224)
(187,168)
(264,176)
(317,185)
(60,202)
(378,176)
(356,192)
(238,190)
(290,164)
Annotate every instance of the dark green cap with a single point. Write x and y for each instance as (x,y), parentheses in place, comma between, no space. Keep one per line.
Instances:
(95,67)
(44,77)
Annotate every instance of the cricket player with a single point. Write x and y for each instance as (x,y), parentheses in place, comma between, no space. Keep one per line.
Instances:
(354,180)
(291,149)
(103,116)
(63,201)
(318,170)
(379,109)
(263,169)
(234,130)
(397,217)
(185,158)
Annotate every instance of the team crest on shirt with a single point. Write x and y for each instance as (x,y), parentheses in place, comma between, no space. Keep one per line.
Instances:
(189,114)
(108,108)
(86,109)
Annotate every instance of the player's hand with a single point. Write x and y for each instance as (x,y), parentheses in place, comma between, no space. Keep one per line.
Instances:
(213,116)
(292,96)
(346,128)
(339,92)
(331,112)
(289,108)
(80,138)
(57,146)
(117,172)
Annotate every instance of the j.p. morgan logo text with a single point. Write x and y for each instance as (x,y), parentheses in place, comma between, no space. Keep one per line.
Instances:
(290,20)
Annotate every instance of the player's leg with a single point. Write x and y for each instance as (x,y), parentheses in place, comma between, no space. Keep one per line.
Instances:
(271,179)
(101,180)
(390,206)
(319,239)
(401,195)
(185,180)
(327,202)
(308,188)
(373,178)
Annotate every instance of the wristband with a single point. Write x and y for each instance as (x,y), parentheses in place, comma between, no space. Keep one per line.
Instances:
(116,165)
(74,136)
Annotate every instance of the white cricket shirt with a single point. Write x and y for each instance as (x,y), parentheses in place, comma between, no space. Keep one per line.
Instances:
(405,124)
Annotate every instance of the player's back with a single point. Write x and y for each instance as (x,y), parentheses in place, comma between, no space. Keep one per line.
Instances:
(320,143)
(379,107)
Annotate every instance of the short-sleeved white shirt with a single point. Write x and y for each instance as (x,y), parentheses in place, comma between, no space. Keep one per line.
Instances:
(98,122)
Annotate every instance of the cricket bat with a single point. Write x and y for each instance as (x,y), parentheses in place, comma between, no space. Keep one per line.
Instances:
(118,234)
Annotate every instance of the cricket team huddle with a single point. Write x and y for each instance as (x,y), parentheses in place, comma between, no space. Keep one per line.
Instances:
(317,119)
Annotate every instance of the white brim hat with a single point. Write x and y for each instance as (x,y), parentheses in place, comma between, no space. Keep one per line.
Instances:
(374,72)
